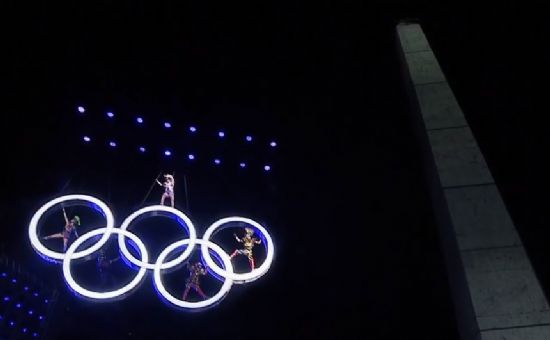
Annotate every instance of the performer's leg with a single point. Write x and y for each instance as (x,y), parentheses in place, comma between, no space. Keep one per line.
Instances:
(172,200)
(65,241)
(199,290)
(162,199)
(187,287)
(251,261)
(58,235)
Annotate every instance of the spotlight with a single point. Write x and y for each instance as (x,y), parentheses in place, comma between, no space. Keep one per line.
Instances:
(40,317)
(141,149)
(221,134)
(168,153)
(26,288)
(110,114)
(217,161)
(249,138)
(192,129)
(167,125)
(4,274)
(112,144)
(45,300)
(86,139)
(18,305)
(81,109)
(13,280)
(31,312)
(12,323)
(35,334)
(139,120)
(6,298)
(35,294)
(242,164)
(273,144)
(267,168)
(24,330)
(191,156)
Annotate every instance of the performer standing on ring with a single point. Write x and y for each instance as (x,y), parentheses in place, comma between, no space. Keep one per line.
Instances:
(168,189)
(248,241)
(193,281)
(69,233)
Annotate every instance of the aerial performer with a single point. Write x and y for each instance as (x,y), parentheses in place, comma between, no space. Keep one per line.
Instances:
(248,241)
(69,233)
(104,267)
(193,281)
(168,185)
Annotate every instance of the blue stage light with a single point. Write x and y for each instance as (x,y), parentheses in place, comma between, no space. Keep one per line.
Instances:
(35,334)
(191,156)
(112,144)
(192,129)
(31,312)
(18,305)
(221,134)
(167,125)
(139,120)
(13,280)
(249,138)
(81,109)
(217,161)
(167,153)
(6,298)
(267,168)
(24,330)
(45,300)
(273,144)
(86,139)
(141,149)
(242,164)
(12,323)
(26,288)
(41,317)
(35,294)
(4,274)
(110,114)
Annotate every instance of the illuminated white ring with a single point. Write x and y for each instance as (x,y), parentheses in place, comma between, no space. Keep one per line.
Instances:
(239,277)
(53,255)
(145,264)
(186,304)
(108,294)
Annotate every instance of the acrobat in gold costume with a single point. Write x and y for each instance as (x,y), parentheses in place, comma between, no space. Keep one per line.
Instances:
(248,241)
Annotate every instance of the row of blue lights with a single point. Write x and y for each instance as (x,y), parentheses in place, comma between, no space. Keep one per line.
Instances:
(168,153)
(168,125)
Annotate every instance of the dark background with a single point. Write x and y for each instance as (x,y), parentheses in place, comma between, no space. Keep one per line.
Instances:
(357,248)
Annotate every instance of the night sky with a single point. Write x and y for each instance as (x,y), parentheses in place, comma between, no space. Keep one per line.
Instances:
(357,247)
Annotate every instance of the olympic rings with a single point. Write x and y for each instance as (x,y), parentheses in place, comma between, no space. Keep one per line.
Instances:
(159,208)
(185,304)
(244,277)
(143,264)
(110,294)
(56,256)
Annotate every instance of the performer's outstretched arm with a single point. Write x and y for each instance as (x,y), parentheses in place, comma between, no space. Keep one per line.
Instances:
(237,238)
(156,179)
(257,241)
(65,216)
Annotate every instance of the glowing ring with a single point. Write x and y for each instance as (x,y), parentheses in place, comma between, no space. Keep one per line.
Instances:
(109,294)
(187,225)
(53,255)
(199,304)
(239,277)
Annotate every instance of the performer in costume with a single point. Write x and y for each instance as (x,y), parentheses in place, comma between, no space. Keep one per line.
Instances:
(193,281)
(69,233)
(168,185)
(104,267)
(248,241)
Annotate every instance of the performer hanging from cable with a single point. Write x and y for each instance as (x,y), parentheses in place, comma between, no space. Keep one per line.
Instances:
(168,185)
(104,267)
(69,233)
(193,281)
(248,241)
